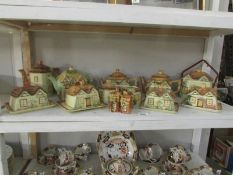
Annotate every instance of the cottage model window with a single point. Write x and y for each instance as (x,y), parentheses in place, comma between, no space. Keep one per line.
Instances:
(209,102)
(167,103)
(42,100)
(193,99)
(23,103)
(36,79)
(150,101)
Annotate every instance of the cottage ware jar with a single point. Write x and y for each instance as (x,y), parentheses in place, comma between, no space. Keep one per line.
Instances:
(151,153)
(65,80)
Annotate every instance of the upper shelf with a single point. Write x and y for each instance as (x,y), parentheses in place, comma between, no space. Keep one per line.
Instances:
(57,120)
(70,13)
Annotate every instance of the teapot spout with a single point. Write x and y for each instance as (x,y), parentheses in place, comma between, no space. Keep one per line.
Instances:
(56,84)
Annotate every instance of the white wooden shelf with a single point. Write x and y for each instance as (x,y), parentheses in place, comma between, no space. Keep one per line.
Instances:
(118,15)
(58,120)
(94,163)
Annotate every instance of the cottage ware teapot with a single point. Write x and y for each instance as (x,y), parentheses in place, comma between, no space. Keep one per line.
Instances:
(65,80)
(151,153)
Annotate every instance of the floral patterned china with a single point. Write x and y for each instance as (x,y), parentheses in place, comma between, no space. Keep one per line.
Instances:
(113,145)
(87,172)
(82,151)
(173,169)
(203,170)
(151,153)
(151,170)
(120,167)
(48,156)
(178,155)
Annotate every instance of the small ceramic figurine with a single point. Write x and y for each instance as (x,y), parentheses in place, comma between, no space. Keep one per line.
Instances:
(121,101)
(28,98)
(198,90)
(65,164)
(151,153)
(119,80)
(82,151)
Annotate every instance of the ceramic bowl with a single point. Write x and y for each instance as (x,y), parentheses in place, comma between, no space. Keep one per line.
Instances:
(65,169)
(151,153)
(87,172)
(178,155)
(151,170)
(48,156)
(120,167)
(203,170)
(82,151)
(173,169)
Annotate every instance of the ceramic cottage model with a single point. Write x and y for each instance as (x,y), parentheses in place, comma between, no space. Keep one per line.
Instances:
(161,93)
(119,80)
(39,77)
(198,90)
(81,97)
(160,100)
(28,98)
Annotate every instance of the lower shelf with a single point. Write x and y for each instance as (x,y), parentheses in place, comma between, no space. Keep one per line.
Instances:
(216,166)
(93,162)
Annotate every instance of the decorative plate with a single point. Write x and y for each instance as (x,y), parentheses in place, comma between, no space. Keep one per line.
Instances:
(120,167)
(82,151)
(113,145)
(203,170)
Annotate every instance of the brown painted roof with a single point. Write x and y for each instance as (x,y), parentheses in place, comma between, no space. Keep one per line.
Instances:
(32,90)
(159,76)
(161,92)
(40,68)
(117,75)
(197,74)
(74,90)
(203,91)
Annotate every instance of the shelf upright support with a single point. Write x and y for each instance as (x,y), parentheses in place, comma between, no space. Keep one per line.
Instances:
(28,140)
(212,53)
(3,161)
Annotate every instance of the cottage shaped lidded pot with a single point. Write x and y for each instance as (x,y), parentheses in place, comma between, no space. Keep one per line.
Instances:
(65,80)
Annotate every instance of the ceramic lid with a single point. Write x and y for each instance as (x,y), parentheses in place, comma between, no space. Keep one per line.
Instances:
(117,75)
(40,68)
(197,74)
(160,76)
(32,90)
(74,90)
(71,75)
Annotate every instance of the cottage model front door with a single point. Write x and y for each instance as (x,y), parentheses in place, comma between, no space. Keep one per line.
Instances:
(88,102)
(200,103)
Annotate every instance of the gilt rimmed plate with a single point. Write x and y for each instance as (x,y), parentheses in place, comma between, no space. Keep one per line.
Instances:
(114,145)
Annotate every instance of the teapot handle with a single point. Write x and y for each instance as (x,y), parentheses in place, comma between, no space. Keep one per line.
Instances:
(202,60)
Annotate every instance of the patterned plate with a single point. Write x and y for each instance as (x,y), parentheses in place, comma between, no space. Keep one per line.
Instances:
(113,145)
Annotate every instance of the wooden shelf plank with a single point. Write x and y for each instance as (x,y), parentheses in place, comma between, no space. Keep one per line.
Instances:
(115,15)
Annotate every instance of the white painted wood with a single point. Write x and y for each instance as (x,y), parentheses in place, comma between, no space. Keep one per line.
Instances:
(114,14)
(196,140)
(57,120)
(17,62)
(26,145)
(3,161)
